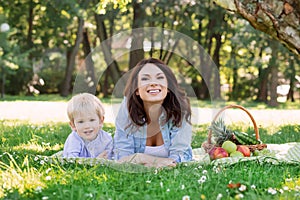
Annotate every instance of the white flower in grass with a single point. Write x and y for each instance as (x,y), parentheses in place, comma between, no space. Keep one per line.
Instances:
(242,188)
(155,171)
(288,180)
(199,167)
(281,191)
(45,159)
(219,196)
(148,181)
(186,197)
(297,187)
(204,172)
(48,170)
(38,189)
(42,162)
(182,187)
(168,190)
(272,191)
(253,187)
(89,195)
(239,196)
(36,158)
(202,179)
(216,169)
(161,184)
(45,198)
(285,187)
(48,178)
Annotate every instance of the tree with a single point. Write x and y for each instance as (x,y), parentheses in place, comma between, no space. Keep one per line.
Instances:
(278,18)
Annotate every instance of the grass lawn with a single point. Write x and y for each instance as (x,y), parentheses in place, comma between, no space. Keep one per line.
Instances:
(26,173)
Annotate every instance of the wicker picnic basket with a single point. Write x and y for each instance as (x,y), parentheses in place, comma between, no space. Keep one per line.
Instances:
(208,145)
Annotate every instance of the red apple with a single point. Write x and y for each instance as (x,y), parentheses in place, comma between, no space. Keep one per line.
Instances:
(244,150)
(217,152)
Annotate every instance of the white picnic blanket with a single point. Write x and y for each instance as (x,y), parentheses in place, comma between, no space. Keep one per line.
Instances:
(288,152)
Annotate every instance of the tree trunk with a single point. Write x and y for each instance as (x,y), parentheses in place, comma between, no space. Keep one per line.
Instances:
(263,75)
(71,56)
(234,91)
(30,26)
(137,36)
(263,85)
(89,76)
(274,74)
(278,18)
(216,59)
(290,95)
(106,48)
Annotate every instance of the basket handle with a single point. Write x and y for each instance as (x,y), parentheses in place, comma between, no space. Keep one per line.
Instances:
(235,106)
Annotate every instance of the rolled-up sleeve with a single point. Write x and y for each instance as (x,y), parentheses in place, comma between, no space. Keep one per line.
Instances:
(73,147)
(123,142)
(181,138)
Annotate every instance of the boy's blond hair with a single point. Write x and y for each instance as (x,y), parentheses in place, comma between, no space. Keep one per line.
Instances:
(84,102)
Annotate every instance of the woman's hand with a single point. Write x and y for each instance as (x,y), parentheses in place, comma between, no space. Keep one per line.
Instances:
(148,160)
(103,155)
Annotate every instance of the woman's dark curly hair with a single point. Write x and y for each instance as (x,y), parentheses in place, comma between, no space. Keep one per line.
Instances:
(176,103)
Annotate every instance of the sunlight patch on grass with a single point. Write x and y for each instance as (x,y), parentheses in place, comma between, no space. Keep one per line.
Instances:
(37,147)
(292,184)
(21,178)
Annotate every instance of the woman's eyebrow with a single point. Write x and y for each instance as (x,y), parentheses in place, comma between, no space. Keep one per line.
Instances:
(145,74)
(158,74)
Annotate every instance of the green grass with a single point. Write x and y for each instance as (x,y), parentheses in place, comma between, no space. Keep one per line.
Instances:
(27,173)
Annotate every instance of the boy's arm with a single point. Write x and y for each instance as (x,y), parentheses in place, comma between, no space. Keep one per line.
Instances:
(72,147)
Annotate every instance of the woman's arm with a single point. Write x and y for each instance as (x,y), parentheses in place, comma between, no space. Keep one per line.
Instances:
(123,143)
(181,138)
(149,160)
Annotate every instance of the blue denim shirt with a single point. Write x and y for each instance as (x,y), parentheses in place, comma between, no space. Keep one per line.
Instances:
(127,141)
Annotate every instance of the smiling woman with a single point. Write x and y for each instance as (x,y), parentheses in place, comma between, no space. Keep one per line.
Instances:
(153,125)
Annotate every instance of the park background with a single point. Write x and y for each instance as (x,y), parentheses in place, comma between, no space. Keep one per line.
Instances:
(45,47)
(48,44)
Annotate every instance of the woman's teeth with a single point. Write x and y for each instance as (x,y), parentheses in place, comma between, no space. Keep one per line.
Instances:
(153,91)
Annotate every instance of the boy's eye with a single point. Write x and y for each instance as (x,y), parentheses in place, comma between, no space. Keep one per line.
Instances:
(160,77)
(80,121)
(144,79)
(92,120)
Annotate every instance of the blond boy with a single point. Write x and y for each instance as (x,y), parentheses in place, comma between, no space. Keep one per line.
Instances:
(87,139)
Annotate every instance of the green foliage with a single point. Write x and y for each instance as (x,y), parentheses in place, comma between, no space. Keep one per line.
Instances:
(52,72)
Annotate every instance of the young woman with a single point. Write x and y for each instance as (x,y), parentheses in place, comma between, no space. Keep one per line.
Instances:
(153,124)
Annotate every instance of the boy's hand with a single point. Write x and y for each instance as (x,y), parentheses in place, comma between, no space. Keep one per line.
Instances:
(103,155)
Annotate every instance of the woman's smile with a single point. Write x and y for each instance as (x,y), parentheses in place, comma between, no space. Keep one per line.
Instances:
(154,91)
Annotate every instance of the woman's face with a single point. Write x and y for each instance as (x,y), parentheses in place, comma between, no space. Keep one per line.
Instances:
(152,84)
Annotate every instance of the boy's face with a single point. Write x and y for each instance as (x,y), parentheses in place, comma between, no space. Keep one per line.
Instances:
(87,125)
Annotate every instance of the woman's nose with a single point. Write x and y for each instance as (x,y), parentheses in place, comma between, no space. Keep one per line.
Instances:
(153,84)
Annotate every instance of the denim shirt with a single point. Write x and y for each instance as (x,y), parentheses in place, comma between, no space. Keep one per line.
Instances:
(75,146)
(130,140)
